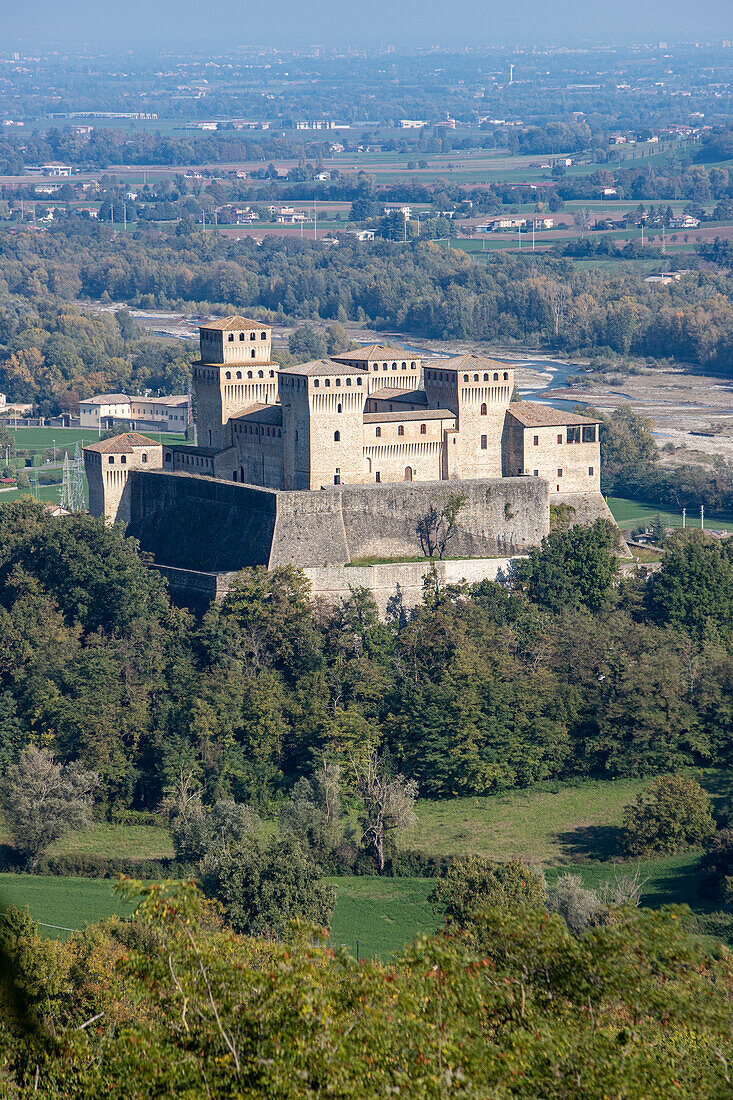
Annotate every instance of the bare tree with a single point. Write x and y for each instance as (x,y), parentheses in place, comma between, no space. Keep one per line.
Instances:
(389,802)
(583,220)
(437,527)
(558,302)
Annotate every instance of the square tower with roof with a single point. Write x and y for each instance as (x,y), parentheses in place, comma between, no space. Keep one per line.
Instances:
(235,371)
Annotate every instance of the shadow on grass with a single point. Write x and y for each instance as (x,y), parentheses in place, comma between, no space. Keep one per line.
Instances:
(601,842)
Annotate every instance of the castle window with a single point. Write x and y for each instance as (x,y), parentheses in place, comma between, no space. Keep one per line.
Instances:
(475,378)
(377,432)
(272,374)
(249,373)
(404,366)
(377,476)
(239,374)
(536,441)
(231,337)
(260,374)
(589,433)
(574,435)
(400,429)
(483,442)
(145,458)
(296,435)
(252,354)
(423,429)
(327,382)
(484,410)
(506,376)
(358,381)
(559,473)
(486,378)
(559,439)
(465,378)
(336,437)
(316,383)
(338,408)
(252,336)
(123,459)
(376,366)
(338,381)
(412,366)
(590,471)
(536,473)
(337,477)
(384,366)
(496,376)
(111,460)
(348,381)
(241,336)
(229,374)
(263,336)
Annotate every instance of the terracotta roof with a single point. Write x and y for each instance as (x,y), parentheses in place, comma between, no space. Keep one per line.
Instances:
(468,362)
(415,414)
(376,351)
(533,415)
(228,324)
(388,393)
(318,367)
(121,444)
(262,414)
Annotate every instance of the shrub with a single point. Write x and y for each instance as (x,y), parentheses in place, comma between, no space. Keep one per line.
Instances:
(262,888)
(578,906)
(672,814)
(474,883)
(717,867)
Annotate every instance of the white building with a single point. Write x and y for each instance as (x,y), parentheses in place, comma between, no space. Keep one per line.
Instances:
(106,410)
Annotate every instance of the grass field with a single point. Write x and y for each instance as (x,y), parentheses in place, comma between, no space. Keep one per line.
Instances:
(38,440)
(629,513)
(381,915)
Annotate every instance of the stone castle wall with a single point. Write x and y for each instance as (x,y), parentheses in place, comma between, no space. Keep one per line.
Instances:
(202,524)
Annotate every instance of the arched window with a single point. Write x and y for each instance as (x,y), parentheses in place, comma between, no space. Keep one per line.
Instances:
(338,408)
(316,383)
(486,378)
(423,429)
(252,336)
(231,337)
(378,432)
(484,410)
(239,374)
(483,442)
(506,376)
(404,366)
(475,378)
(400,429)
(252,353)
(241,473)
(412,366)
(496,376)
(263,336)
(336,437)
(229,374)
(408,473)
(465,378)
(260,374)
(348,381)
(394,366)
(249,373)
(241,336)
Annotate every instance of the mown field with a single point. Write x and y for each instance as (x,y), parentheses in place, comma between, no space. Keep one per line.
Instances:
(569,828)
(629,513)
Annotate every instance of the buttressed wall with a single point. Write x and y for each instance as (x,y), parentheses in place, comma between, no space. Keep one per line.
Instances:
(204,524)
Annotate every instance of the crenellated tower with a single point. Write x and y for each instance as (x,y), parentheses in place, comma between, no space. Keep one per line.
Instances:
(235,371)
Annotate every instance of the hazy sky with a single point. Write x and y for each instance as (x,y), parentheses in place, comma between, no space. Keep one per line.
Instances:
(362,23)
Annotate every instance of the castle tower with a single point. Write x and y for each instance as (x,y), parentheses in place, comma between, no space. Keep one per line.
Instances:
(478,390)
(323,406)
(235,371)
(107,465)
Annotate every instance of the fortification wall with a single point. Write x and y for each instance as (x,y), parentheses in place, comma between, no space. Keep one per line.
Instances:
(206,524)
(201,523)
(399,587)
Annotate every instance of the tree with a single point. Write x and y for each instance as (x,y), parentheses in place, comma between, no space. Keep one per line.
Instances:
(578,906)
(43,800)
(438,526)
(307,343)
(694,588)
(474,884)
(672,814)
(388,802)
(572,568)
(313,814)
(262,888)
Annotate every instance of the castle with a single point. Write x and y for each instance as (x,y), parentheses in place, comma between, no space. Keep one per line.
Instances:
(324,462)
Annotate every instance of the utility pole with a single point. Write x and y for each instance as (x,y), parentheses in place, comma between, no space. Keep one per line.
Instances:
(519,230)
(684,518)
(124,217)
(315,219)
(533,234)
(702,517)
